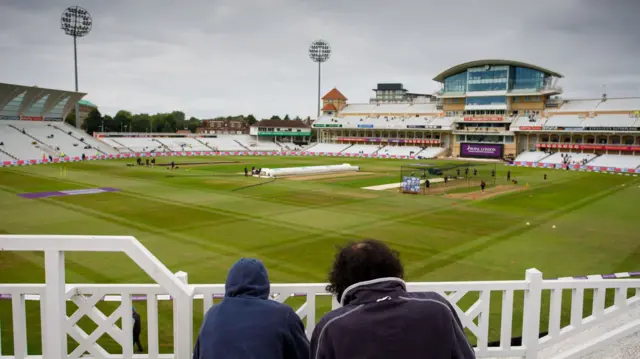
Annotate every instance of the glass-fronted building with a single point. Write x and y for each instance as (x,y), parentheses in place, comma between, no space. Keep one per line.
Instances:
(490,87)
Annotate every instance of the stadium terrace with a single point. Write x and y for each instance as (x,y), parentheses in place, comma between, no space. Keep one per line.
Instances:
(497,109)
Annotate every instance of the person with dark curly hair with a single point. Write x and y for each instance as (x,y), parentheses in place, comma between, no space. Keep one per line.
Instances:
(378,317)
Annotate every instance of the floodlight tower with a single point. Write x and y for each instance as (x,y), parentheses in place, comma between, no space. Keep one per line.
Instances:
(319,51)
(76,22)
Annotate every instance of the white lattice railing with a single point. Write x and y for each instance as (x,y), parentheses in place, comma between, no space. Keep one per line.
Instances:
(488,310)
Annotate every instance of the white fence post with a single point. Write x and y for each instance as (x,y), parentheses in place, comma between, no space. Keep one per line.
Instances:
(531,316)
(54,343)
(183,321)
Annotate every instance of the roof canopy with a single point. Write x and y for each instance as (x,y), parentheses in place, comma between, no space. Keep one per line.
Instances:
(462,67)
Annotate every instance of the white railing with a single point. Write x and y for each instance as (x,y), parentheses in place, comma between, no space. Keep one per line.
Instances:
(471,300)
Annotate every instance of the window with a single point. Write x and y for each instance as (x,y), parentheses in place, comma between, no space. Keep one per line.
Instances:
(515,99)
(486,100)
(456,83)
(524,78)
(527,99)
(536,98)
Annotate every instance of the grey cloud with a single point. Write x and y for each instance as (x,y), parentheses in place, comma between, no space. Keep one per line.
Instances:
(225,57)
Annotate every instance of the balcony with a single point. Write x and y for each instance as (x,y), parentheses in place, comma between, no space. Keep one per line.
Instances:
(570,336)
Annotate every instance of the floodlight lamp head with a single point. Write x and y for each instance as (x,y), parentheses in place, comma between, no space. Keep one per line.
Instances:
(320,51)
(76,21)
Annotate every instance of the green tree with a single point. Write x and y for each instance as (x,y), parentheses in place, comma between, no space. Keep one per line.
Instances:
(141,123)
(71,119)
(193,124)
(93,122)
(286,117)
(108,124)
(121,120)
(251,120)
(275,117)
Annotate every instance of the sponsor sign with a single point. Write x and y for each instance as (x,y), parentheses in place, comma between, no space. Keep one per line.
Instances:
(612,128)
(31,118)
(484,119)
(10,118)
(481,150)
(53,118)
(530,128)
(628,148)
(327,125)
(416,126)
(365,126)
(551,128)
(305,133)
(390,140)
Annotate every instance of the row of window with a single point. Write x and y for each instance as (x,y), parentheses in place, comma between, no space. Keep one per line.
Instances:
(527,99)
(496,78)
(486,100)
(485,138)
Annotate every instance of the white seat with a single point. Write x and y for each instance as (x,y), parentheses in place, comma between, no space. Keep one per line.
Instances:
(531,156)
(616,161)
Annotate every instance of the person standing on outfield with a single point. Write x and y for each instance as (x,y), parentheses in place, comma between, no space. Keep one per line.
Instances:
(545,176)
(508,175)
(482,185)
(137,328)
(379,319)
(246,171)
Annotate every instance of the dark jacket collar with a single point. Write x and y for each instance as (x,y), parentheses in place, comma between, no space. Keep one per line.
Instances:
(373,290)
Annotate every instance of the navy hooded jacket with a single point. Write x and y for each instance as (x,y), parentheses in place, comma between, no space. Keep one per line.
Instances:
(246,324)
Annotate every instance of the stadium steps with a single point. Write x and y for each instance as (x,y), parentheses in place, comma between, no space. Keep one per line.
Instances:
(166,148)
(79,139)
(242,145)
(122,146)
(346,149)
(8,154)
(44,146)
(204,144)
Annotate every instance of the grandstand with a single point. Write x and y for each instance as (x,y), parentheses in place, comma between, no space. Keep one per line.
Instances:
(559,158)
(362,149)
(328,148)
(616,161)
(531,156)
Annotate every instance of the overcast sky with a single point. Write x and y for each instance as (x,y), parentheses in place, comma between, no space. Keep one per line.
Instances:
(224,57)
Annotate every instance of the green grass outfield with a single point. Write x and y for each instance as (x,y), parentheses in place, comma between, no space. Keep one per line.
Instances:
(203,219)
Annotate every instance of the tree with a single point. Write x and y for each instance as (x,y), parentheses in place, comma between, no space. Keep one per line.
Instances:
(251,120)
(93,122)
(108,124)
(71,119)
(141,122)
(297,118)
(286,117)
(122,119)
(275,117)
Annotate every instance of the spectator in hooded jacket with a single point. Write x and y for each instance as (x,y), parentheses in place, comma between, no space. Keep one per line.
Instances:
(247,324)
(379,318)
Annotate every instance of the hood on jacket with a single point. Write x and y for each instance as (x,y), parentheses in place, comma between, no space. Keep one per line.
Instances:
(247,278)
